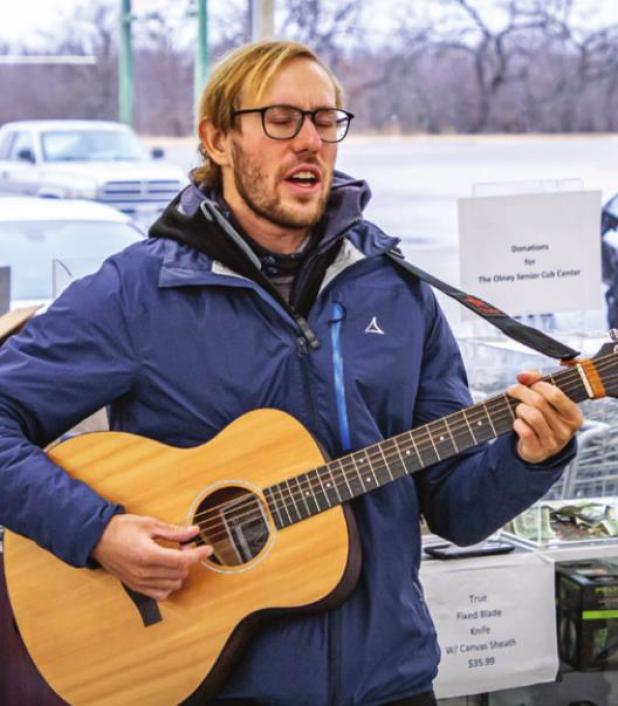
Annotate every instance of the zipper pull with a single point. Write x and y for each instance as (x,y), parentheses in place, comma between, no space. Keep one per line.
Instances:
(301,346)
(310,337)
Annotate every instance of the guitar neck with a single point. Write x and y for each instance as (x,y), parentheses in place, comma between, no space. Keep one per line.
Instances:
(362,471)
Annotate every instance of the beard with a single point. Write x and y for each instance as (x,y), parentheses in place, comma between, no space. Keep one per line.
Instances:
(251,184)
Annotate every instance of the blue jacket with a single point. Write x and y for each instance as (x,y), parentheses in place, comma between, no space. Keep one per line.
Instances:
(179,346)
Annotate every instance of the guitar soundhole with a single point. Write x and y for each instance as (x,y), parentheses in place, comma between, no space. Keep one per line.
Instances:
(234,523)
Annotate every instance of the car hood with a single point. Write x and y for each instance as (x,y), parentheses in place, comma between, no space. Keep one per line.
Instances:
(117,171)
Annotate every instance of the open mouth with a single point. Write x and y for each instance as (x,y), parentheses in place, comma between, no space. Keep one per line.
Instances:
(305,179)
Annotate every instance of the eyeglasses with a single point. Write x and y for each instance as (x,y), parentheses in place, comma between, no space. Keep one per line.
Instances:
(283,122)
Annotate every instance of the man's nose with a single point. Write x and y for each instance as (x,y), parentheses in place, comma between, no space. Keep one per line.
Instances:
(308,137)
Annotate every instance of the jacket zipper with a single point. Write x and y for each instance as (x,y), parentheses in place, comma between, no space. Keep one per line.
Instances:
(213,214)
(333,628)
(302,350)
(334,622)
(301,321)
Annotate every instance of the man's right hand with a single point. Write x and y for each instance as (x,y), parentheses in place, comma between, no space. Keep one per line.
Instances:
(128,550)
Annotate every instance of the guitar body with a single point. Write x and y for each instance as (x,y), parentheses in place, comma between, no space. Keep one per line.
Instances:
(83,630)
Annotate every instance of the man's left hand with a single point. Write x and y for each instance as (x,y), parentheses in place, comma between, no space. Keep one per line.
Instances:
(546,418)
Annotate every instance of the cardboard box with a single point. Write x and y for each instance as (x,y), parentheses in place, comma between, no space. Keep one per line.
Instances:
(587,613)
(13,321)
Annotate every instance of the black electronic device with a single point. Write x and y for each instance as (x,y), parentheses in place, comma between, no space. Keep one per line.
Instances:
(452,551)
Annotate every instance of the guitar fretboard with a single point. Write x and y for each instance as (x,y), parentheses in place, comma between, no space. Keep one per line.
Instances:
(350,476)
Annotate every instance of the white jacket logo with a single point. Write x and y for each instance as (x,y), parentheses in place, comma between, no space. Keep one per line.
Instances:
(374,327)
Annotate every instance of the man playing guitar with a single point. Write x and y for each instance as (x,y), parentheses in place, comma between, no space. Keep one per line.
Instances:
(262,286)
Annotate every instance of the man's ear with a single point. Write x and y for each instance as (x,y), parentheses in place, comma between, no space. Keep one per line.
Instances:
(215,142)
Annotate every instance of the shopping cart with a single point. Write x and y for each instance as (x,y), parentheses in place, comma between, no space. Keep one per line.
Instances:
(593,473)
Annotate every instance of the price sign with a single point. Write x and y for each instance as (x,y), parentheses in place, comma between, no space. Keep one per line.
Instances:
(496,623)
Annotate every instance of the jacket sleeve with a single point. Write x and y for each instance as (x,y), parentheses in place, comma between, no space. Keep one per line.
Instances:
(66,364)
(466,498)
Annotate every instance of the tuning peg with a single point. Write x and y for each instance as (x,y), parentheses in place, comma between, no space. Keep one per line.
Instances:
(613,334)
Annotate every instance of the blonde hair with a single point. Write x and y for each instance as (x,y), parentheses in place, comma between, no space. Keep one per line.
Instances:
(249,68)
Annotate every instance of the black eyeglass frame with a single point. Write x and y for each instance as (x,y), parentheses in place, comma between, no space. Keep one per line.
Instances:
(303,114)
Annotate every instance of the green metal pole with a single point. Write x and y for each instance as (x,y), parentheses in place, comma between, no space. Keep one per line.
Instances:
(202,58)
(125,65)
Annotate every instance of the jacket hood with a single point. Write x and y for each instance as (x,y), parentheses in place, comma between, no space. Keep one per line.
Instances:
(198,218)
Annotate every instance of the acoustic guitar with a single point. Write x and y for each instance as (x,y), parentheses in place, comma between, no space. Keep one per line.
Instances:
(284,540)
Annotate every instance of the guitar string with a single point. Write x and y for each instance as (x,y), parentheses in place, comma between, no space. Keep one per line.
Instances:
(422,445)
(250,508)
(372,461)
(297,500)
(277,506)
(295,512)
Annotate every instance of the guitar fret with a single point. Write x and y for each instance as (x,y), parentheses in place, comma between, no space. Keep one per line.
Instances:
(491,424)
(272,504)
(334,482)
(448,429)
(408,455)
(293,509)
(386,464)
(433,443)
(357,479)
(482,430)
(397,467)
(465,416)
(310,493)
(442,438)
(373,473)
(460,431)
(577,389)
(361,474)
(403,463)
(416,450)
(510,407)
(345,475)
(319,493)
(282,504)
(301,484)
(318,474)
(298,495)
(503,414)
(426,450)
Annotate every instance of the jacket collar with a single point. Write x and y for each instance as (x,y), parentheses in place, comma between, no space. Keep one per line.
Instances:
(207,248)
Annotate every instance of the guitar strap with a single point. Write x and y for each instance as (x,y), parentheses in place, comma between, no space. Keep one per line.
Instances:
(529,336)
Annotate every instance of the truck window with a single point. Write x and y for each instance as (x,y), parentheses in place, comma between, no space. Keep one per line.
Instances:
(5,144)
(22,141)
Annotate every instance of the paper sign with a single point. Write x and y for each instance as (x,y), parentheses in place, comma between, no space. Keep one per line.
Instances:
(496,622)
(532,253)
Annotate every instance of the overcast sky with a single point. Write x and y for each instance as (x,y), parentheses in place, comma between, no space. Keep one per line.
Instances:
(20,20)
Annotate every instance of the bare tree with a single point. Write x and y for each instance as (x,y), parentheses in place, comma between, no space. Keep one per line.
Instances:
(329,28)
(78,91)
(452,66)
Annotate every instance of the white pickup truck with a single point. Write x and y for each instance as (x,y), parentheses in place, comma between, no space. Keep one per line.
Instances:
(87,159)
